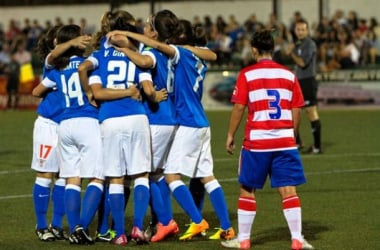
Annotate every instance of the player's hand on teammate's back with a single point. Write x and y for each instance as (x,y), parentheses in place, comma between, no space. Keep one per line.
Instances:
(161,95)
(136,92)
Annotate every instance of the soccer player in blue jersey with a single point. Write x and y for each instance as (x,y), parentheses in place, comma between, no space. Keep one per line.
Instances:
(161,116)
(125,131)
(45,139)
(79,141)
(105,233)
(190,153)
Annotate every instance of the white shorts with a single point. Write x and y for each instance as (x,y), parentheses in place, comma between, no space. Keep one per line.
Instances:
(190,153)
(45,140)
(126,145)
(80,148)
(162,138)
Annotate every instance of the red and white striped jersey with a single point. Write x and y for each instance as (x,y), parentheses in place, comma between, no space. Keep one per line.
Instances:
(270,91)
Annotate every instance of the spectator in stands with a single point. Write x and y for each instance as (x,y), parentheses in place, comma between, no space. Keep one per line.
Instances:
(220,24)
(86,28)
(250,25)
(223,48)
(27,27)
(347,54)
(13,30)
(296,16)
(373,46)
(34,33)
(12,71)
(352,20)
(5,56)
(340,18)
(21,55)
(246,52)
(359,38)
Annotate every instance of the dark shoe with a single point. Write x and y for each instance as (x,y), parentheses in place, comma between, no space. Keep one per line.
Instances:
(58,233)
(45,235)
(80,237)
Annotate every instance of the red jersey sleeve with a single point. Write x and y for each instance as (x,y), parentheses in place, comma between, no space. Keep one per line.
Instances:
(240,94)
(297,100)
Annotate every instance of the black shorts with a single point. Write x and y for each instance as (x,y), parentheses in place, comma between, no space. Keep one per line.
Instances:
(309,87)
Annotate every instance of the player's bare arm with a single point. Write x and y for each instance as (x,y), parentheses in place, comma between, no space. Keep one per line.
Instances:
(40,90)
(296,114)
(140,60)
(152,94)
(202,52)
(103,94)
(80,42)
(236,117)
(163,47)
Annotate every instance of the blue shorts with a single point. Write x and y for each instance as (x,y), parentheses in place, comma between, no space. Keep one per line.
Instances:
(283,167)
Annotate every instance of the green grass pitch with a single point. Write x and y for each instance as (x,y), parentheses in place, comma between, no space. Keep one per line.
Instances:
(340,201)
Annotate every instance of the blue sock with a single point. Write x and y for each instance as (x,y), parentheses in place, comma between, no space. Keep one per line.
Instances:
(58,203)
(158,205)
(166,197)
(104,213)
(72,205)
(90,203)
(41,197)
(141,201)
(219,203)
(116,202)
(182,195)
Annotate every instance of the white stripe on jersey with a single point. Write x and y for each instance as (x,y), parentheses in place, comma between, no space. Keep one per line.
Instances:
(262,116)
(262,134)
(48,83)
(262,94)
(145,76)
(94,61)
(268,73)
(94,80)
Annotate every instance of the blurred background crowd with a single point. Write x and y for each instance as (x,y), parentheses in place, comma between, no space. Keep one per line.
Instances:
(345,40)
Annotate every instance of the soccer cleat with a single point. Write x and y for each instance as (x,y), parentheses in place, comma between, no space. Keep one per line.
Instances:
(235,243)
(301,245)
(45,235)
(106,237)
(80,237)
(313,150)
(163,231)
(221,234)
(151,230)
(194,229)
(139,236)
(58,233)
(121,240)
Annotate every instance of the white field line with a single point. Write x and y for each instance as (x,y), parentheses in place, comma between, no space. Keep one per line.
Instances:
(327,172)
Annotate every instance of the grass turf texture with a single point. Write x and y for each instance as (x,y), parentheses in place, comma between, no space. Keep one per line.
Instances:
(340,201)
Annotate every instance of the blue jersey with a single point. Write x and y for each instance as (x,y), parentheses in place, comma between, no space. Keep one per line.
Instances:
(162,113)
(73,97)
(189,74)
(94,57)
(116,71)
(51,106)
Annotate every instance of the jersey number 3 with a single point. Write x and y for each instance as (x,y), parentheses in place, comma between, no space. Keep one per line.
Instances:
(274,104)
